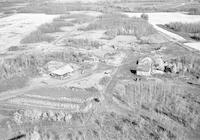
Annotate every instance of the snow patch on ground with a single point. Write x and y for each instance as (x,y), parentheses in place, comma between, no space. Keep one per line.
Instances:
(15,27)
(195,45)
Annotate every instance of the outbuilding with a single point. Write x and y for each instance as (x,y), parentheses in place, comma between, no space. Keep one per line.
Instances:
(144,67)
(62,72)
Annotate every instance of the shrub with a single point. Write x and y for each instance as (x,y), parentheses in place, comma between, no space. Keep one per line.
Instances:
(185,27)
(14,48)
(83,43)
(49,28)
(192,29)
(194,11)
(17,66)
(195,36)
(118,24)
(145,16)
(36,37)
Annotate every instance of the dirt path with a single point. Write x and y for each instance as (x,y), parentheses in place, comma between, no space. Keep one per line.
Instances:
(108,89)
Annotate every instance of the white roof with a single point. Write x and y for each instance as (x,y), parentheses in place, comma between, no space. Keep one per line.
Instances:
(54,65)
(63,70)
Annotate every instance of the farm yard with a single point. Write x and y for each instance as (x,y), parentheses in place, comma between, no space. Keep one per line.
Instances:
(81,70)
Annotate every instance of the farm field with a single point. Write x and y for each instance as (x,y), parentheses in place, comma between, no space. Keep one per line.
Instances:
(98,70)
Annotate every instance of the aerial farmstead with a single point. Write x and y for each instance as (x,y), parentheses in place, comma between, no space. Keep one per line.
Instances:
(99,70)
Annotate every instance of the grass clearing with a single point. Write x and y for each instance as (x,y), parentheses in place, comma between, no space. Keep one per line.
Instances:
(14,83)
(36,37)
